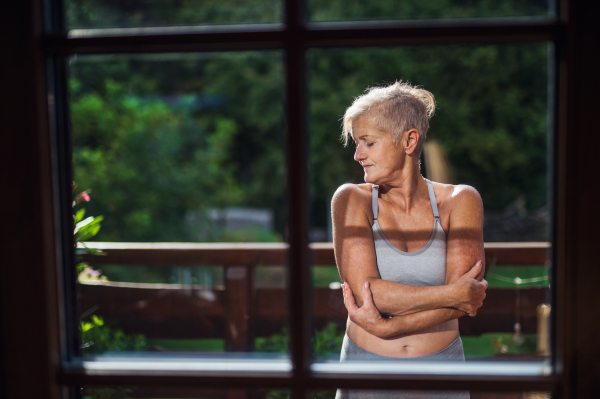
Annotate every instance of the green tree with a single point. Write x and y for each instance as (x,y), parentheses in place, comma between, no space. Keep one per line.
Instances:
(148,170)
(158,149)
(491,116)
(160,136)
(336,10)
(136,13)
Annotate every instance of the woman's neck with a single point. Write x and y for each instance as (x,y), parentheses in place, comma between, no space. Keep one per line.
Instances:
(406,189)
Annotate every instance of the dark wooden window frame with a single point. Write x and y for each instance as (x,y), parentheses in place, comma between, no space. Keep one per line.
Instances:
(34,156)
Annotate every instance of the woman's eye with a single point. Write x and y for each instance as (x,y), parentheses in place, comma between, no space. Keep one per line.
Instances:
(370,144)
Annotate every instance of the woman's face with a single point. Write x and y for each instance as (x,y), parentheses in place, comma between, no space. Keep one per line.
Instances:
(381,159)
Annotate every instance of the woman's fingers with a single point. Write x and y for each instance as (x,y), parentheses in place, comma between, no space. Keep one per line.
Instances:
(368,304)
(349,301)
(475,270)
(367,295)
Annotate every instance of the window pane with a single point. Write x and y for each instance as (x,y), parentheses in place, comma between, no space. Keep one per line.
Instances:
(489,131)
(121,392)
(356,10)
(152,13)
(364,394)
(179,178)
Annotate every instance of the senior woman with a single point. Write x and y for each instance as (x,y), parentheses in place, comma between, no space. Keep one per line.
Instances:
(410,251)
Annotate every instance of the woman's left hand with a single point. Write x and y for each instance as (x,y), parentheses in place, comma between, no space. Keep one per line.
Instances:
(367,317)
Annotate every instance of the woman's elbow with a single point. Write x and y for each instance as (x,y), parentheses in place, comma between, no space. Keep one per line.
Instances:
(385,330)
(383,333)
(388,335)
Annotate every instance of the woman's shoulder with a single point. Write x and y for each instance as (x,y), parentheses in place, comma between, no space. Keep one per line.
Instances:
(350,191)
(457,196)
(351,195)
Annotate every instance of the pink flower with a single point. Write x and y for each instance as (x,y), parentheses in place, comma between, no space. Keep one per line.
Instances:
(94,273)
(83,197)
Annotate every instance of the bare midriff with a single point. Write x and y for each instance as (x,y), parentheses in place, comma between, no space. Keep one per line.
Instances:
(421,343)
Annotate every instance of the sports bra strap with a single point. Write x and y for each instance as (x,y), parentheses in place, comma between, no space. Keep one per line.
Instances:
(375,195)
(432,199)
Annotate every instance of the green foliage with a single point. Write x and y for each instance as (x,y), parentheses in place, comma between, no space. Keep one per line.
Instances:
(327,341)
(105,393)
(96,337)
(529,276)
(491,116)
(136,13)
(157,158)
(165,137)
(277,394)
(324,394)
(276,343)
(250,235)
(339,10)
(498,344)
(84,230)
(99,338)
(87,228)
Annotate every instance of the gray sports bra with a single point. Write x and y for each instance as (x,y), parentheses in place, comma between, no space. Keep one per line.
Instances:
(426,266)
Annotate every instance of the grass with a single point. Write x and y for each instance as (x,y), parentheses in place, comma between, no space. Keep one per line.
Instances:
(489,344)
(485,345)
(191,345)
(496,276)
(323,276)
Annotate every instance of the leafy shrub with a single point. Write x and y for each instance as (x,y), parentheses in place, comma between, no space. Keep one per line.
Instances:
(97,337)
(326,342)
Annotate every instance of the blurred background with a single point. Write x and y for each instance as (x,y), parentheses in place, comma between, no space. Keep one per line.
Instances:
(189,149)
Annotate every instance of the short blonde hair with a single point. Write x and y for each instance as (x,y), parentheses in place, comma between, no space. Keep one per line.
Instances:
(395,108)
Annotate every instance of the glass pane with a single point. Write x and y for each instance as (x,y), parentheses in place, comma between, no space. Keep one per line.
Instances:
(122,392)
(152,13)
(365,394)
(489,131)
(179,179)
(356,10)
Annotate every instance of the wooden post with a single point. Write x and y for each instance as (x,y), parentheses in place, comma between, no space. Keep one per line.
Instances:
(237,295)
(252,301)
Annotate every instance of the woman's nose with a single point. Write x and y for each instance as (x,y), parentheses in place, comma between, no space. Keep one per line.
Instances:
(359,154)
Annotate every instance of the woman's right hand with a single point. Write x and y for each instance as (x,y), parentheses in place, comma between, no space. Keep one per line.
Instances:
(367,316)
(468,292)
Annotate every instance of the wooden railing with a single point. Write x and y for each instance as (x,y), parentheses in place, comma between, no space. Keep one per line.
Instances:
(274,254)
(238,311)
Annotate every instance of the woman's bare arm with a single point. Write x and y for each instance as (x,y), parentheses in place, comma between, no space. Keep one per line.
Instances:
(465,243)
(356,260)
(369,319)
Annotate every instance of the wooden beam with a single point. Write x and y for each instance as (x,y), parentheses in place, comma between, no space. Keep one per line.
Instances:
(274,254)
(192,312)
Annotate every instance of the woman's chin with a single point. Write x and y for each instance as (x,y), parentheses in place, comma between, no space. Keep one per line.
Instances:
(370,179)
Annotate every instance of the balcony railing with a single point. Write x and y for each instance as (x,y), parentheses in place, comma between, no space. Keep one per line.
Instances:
(239,311)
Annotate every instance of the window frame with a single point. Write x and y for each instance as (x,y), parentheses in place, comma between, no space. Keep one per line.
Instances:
(572,252)
(294,37)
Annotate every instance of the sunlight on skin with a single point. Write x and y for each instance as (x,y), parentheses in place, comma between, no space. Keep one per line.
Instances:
(421,317)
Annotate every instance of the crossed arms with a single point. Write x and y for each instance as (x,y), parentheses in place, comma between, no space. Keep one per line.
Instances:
(387,309)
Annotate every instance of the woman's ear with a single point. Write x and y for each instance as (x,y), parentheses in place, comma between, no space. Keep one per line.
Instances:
(411,141)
